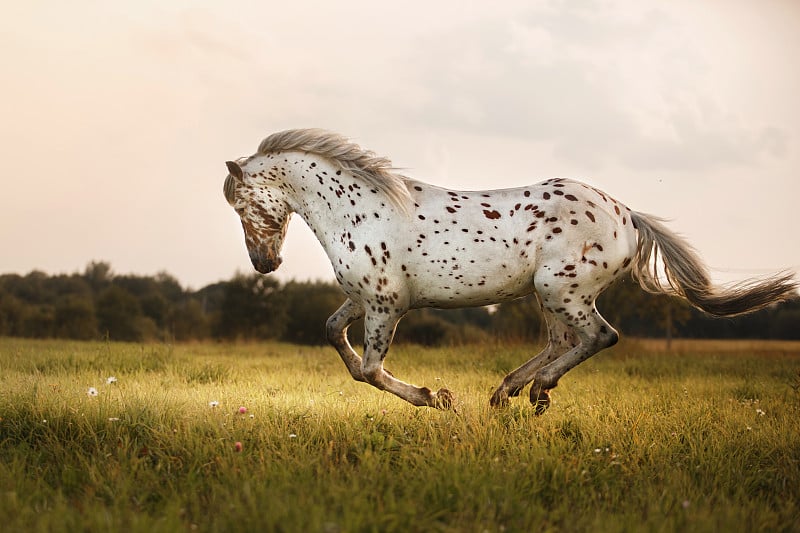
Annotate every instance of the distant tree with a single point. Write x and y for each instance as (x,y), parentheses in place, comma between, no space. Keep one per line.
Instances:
(519,320)
(32,288)
(424,329)
(98,303)
(479,317)
(786,325)
(119,316)
(169,287)
(778,321)
(75,318)
(627,308)
(63,286)
(189,322)
(439,327)
(157,297)
(98,275)
(637,313)
(211,297)
(252,308)
(671,313)
(12,312)
(155,306)
(38,322)
(308,306)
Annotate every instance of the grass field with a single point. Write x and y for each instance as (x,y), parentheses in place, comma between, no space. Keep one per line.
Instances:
(704,438)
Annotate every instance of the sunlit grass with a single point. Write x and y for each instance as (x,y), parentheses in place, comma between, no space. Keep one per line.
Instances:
(705,439)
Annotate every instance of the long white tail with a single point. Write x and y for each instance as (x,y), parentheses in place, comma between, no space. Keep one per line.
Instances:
(687,276)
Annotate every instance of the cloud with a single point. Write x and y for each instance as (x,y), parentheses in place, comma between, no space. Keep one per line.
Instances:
(617,88)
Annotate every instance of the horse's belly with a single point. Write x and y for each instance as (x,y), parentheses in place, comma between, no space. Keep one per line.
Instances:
(476,284)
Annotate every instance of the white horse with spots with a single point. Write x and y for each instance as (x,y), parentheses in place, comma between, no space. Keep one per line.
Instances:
(398,244)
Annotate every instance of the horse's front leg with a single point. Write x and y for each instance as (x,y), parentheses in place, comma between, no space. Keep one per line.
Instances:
(379,332)
(336,329)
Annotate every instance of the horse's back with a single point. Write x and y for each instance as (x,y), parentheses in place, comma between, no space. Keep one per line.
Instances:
(481,247)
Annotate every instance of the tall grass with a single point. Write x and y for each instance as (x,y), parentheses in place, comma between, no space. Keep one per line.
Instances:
(636,440)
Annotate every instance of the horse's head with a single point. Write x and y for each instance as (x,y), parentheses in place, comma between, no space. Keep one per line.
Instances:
(264,214)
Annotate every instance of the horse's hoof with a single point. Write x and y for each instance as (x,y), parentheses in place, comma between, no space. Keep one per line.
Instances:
(443,399)
(503,394)
(541,402)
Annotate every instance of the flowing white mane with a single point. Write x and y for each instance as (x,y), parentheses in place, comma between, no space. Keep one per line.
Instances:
(376,171)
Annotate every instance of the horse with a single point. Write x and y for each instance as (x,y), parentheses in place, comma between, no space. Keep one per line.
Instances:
(397,244)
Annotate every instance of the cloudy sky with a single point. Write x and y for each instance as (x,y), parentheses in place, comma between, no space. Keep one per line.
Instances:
(117,117)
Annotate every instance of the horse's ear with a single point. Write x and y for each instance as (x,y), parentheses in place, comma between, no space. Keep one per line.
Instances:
(235,170)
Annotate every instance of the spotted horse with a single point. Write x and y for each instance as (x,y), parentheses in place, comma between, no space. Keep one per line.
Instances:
(398,244)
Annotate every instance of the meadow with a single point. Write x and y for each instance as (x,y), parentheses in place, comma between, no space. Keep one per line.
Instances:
(275,437)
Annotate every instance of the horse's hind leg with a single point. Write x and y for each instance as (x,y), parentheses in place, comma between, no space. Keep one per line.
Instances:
(594,333)
(336,329)
(560,340)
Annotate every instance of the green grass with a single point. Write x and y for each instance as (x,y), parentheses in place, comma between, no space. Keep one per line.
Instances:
(705,439)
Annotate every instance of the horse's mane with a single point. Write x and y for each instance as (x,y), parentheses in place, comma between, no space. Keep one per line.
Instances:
(376,171)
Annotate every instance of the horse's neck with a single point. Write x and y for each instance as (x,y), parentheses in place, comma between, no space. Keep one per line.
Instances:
(322,192)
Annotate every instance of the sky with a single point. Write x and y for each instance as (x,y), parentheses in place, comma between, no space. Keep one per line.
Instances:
(117,117)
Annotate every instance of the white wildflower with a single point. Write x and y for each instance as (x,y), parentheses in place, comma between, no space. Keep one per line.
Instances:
(91,392)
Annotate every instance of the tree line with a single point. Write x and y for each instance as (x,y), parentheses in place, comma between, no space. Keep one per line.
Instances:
(98,303)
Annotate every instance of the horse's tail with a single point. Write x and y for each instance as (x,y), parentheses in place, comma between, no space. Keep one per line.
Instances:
(685,275)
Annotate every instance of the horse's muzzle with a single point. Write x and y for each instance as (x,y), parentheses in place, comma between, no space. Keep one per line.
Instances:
(264,264)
